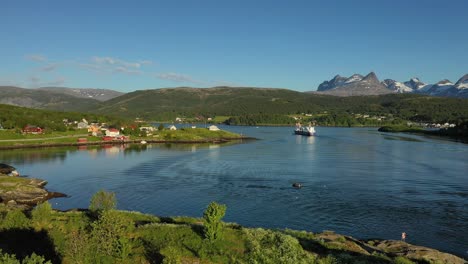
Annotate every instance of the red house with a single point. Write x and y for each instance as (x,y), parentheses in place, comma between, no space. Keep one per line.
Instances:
(32,130)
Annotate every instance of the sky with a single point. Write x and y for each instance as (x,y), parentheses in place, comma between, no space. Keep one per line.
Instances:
(135,45)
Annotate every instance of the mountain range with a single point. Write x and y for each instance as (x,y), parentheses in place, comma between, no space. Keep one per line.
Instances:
(370,85)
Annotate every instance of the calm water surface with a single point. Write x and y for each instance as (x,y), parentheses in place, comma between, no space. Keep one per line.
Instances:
(357,181)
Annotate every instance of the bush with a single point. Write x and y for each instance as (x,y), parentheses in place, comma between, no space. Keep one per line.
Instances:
(267,246)
(102,201)
(35,259)
(41,214)
(15,219)
(109,235)
(212,218)
(402,260)
(6,258)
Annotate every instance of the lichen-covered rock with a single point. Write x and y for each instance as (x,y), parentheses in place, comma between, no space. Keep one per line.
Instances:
(15,191)
(401,248)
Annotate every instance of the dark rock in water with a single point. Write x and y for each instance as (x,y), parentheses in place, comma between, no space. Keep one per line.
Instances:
(8,170)
(297,185)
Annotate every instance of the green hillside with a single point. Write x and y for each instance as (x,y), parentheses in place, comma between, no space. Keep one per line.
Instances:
(43,99)
(166,104)
(14,117)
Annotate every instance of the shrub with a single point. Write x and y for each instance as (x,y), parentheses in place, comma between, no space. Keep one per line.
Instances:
(109,235)
(266,246)
(161,127)
(402,260)
(35,259)
(212,218)
(15,219)
(41,214)
(78,247)
(102,201)
(6,258)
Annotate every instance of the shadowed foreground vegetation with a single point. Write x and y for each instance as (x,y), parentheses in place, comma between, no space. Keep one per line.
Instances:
(105,235)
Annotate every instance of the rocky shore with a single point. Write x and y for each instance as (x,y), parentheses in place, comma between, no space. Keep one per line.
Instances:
(22,192)
(391,248)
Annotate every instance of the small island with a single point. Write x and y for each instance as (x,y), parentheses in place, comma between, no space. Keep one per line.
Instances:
(459,132)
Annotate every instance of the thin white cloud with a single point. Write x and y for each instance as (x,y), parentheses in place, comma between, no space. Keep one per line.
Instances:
(178,77)
(36,81)
(49,67)
(36,57)
(127,71)
(118,62)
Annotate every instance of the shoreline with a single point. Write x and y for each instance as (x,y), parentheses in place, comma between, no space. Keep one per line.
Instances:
(122,142)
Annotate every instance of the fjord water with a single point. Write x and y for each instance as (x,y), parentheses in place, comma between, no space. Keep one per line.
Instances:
(357,181)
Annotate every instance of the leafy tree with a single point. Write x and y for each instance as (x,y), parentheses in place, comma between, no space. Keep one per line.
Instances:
(212,220)
(109,236)
(102,201)
(41,214)
(161,127)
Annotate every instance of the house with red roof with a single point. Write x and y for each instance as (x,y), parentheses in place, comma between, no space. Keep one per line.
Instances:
(29,129)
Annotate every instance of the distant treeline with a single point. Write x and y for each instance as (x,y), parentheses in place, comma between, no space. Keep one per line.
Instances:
(253,105)
(260,119)
(13,117)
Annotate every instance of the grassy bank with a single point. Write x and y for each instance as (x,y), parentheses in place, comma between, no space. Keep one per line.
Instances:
(11,139)
(105,235)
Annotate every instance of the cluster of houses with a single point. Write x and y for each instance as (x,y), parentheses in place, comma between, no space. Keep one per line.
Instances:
(431,125)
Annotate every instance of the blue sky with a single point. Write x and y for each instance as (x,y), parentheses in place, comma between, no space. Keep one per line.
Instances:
(134,45)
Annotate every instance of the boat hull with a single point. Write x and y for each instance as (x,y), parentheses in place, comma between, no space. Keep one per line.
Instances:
(304,133)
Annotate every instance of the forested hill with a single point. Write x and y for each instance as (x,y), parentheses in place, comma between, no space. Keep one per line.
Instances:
(14,117)
(166,104)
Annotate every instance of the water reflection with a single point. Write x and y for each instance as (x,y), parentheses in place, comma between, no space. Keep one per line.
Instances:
(31,155)
(304,140)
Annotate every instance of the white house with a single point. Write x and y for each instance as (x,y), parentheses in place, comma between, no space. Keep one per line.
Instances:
(82,125)
(172,127)
(213,128)
(112,132)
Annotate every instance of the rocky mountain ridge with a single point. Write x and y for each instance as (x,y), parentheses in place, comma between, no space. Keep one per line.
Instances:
(369,85)
(90,93)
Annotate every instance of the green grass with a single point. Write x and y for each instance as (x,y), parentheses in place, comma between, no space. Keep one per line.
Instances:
(68,236)
(195,134)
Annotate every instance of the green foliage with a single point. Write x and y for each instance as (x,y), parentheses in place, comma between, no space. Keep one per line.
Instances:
(41,214)
(212,220)
(109,235)
(161,127)
(402,260)
(35,259)
(14,117)
(260,119)
(15,219)
(267,246)
(102,201)
(6,258)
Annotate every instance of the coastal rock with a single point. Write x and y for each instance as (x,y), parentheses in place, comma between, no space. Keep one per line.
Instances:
(420,253)
(8,170)
(388,247)
(17,191)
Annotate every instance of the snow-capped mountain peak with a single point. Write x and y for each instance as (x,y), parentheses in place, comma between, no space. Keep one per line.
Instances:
(354,78)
